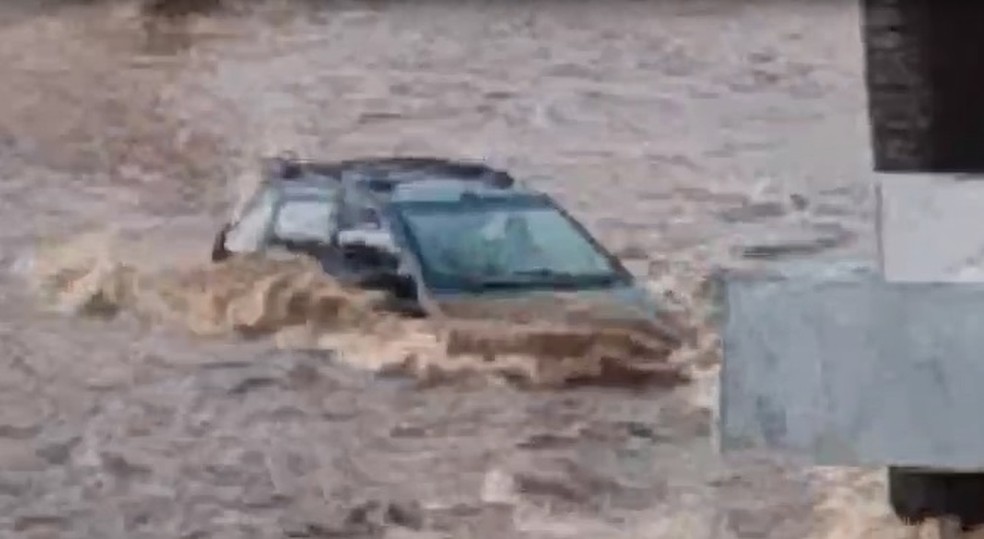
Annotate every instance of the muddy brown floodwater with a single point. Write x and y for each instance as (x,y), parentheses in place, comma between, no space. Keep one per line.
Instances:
(685,134)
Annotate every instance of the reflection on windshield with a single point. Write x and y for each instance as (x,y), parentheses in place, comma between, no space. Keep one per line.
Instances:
(510,245)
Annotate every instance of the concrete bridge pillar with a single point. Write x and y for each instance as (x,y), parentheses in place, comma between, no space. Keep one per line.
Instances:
(885,365)
(924,69)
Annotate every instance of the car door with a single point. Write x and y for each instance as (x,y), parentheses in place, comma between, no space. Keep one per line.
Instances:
(360,252)
(361,225)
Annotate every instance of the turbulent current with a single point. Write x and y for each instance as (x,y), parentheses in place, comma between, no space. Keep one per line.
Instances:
(149,393)
(289,298)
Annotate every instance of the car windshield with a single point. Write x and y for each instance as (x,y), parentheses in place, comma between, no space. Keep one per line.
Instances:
(504,244)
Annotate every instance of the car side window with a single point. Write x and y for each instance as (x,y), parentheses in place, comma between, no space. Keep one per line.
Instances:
(367,217)
(357,212)
(304,220)
(346,205)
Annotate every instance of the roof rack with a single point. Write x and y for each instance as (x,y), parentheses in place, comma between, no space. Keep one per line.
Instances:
(392,170)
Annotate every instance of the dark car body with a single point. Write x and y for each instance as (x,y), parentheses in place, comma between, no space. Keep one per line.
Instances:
(420,228)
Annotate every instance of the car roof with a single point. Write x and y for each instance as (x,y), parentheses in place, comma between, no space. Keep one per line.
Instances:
(380,175)
(452,190)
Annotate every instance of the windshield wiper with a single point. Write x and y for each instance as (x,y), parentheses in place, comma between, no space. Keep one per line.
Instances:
(538,277)
(568,279)
(478,284)
(549,278)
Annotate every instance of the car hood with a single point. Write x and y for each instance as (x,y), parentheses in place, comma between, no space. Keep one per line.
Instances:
(625,306)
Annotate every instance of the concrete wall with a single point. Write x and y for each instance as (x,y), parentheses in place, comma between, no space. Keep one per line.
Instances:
(879,365)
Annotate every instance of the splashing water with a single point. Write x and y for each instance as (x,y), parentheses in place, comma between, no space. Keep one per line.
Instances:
(290,298)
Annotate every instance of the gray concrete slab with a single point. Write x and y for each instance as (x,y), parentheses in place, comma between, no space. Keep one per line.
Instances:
(931,228)
(837,366)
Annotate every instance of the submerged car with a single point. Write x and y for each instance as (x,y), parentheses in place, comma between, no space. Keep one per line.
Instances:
(436,235)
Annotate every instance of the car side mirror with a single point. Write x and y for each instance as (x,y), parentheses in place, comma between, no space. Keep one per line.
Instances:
(376,239)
